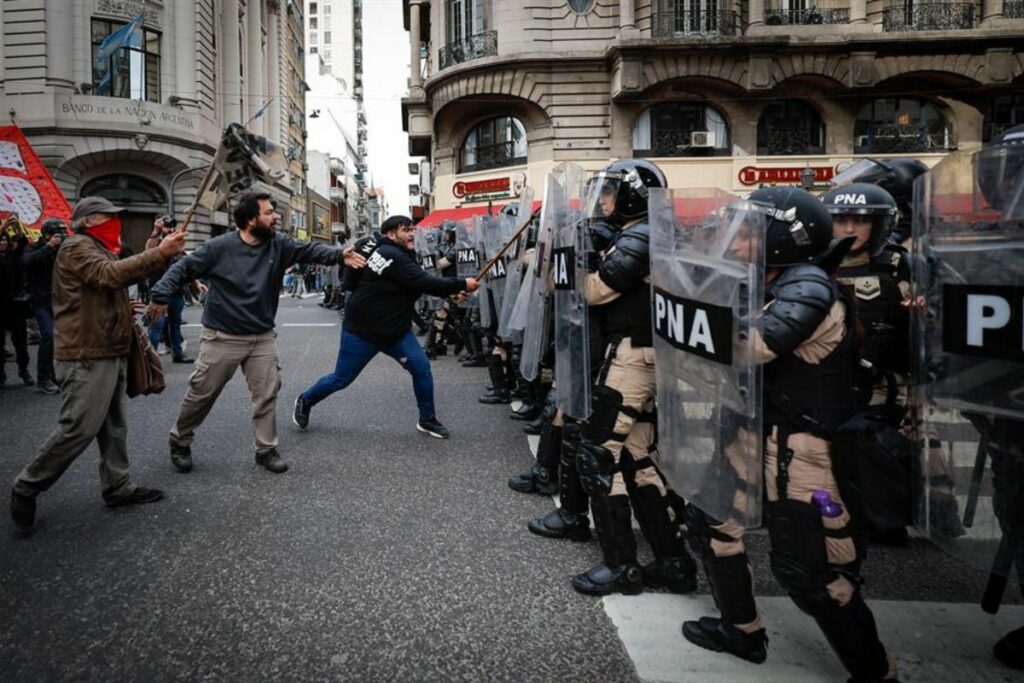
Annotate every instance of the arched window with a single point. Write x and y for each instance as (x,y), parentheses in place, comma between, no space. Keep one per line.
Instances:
(899,125)
(493,144)
(789,127)
(1005,112)
(681,129)
(122,188)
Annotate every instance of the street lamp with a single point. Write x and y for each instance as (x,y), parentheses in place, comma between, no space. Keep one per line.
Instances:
(807,177)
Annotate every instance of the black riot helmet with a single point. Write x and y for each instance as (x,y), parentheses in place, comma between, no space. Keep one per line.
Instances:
(628,182)
(895,176)
(509,210)
(999,170)
(448,231)
(864,199)
(798,226)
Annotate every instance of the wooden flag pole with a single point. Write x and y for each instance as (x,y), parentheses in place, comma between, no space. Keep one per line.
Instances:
(202,188)
(494,259)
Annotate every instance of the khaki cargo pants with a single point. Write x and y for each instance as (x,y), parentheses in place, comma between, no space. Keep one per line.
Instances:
(220,354)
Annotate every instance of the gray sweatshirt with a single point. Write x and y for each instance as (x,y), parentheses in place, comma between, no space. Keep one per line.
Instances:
(244,280)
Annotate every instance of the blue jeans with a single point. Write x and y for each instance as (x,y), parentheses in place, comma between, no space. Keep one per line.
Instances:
(175,305)
(44,361)
(355,352)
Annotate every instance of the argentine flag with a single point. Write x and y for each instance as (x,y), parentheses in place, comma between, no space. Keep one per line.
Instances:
(128,35)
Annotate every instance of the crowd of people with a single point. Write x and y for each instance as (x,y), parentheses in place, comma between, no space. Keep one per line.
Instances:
(572,305)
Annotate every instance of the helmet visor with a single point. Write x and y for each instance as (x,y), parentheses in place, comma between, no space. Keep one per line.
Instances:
(863,171)
(601,192)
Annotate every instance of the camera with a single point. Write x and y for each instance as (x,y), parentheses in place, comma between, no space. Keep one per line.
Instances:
(169,222)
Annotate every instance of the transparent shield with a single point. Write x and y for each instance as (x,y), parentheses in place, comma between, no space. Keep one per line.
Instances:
(426,244)
(707,274)
(862,171)
(570,245)
(969,363)
(533,307)
(467,257)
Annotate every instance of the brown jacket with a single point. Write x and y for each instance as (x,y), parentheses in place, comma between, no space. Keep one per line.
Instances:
(91,314)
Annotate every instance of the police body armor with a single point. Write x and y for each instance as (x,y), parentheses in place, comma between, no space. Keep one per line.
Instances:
(629,315)
(880,309)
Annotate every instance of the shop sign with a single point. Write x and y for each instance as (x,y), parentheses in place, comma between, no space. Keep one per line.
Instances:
(757,175)
(490,188)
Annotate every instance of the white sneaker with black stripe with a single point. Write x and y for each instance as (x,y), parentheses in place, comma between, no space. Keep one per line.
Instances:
(433,428)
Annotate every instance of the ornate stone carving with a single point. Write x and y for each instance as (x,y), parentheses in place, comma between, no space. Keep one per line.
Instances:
(759,72)
(127,9)
(999,64)
(862,69)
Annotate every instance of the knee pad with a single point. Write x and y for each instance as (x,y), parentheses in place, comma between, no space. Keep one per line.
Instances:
(597,468)
(607,404)
(729,576)
(799,559)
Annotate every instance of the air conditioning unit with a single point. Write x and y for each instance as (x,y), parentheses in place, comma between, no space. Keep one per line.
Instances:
(702,138)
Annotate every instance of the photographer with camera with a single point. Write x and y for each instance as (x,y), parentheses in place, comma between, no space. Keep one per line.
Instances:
(38,261)
(171,322)
(14,304)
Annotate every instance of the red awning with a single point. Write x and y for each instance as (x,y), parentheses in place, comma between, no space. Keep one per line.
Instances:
(438,216)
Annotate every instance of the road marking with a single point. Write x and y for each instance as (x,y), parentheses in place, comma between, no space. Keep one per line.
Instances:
(931,641)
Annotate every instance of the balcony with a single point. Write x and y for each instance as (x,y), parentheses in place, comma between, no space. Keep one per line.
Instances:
(1013,9)
(480,45)
(903,139)
(694,23)
(930,16)
(337,194)
(807,17)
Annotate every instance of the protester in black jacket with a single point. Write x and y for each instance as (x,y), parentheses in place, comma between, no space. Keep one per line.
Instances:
(12,309)
(38,261)
(378,318)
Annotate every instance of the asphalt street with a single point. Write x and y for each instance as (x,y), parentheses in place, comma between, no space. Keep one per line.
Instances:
(382,554)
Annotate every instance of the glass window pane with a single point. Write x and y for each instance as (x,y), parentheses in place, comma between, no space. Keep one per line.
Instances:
(137,74)
(152,43)
(152,78)
(100,30)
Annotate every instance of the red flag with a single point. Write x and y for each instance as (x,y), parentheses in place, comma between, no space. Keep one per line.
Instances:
(27,189)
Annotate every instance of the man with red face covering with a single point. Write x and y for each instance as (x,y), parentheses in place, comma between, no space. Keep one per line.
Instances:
(92,337)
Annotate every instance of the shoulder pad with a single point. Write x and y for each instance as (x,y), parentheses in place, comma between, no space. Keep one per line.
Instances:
(803,296)
(627,263)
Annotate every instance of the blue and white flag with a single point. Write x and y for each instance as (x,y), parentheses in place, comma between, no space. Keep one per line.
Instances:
(128,35)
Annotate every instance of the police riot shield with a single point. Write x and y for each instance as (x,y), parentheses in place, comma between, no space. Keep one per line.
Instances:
(426,244)
(570,246)
(516,266)
(482,225)
(707,275)
(968,322)
(533,305)
(467,257)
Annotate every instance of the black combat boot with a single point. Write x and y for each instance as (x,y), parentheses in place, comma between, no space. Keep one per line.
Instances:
(499,387)
(619,573)
(570,521)
(550,408)
(533,402)
(672,568)
(543,476)
(714,634)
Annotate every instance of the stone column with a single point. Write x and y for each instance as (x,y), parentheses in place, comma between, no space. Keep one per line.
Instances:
(59,61)
(228,44)
(415,72)
(627,20)
(274,69)
(991,9)
(755,13)
(185,76)
(858,11)
(255,94)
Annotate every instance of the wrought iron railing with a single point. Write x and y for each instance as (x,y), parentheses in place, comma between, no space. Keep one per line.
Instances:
(807,17)
(492,156)
(790,141)
(895,138)
(478,45)
(929,16)
(671,23)
(678,143)
(1013,9)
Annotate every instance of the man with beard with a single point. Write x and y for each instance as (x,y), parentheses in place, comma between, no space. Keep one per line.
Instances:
(245,269)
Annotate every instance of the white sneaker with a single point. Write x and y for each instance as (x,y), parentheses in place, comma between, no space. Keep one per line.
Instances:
(162,350)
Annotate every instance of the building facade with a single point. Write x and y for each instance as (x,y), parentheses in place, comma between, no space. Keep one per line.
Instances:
(141,126)
(728,94)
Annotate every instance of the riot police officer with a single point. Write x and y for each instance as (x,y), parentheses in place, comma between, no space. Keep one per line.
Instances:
(436,344)
(809,348)
(617,458)
(895,176)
